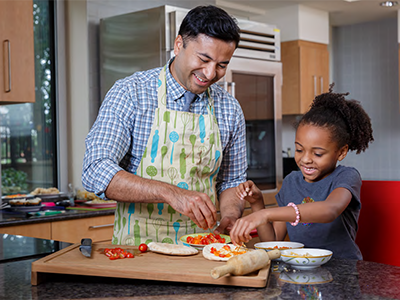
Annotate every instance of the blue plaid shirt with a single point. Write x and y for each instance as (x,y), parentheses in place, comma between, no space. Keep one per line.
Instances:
(119,135)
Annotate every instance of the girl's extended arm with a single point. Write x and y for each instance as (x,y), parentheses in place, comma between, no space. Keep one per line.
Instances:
(316,212)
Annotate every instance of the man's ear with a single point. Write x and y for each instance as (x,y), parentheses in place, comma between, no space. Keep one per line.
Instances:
(343,152)
(178,44)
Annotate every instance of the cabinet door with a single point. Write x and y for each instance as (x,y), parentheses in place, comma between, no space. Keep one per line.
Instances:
(17,74)
(323,70)
(305,74)
(308,77)
(72,231)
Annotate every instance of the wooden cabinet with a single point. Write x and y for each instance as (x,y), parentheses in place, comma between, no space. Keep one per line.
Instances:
(72,231)
(98,229)
(305,70)
(39,230)
(17,66)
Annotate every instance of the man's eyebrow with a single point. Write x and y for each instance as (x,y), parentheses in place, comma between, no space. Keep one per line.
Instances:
(210,58)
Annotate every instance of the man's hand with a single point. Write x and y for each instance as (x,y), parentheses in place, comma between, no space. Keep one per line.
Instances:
(197,206)
(127,187)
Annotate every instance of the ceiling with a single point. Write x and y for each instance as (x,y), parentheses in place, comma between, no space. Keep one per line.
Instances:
(341,12)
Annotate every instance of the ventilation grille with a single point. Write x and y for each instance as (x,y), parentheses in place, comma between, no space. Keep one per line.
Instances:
(259,41)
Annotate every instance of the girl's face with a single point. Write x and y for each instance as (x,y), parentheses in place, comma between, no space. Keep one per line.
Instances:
(316,153)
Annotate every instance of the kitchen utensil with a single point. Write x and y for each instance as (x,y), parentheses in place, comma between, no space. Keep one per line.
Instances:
(86,247)
(245,263)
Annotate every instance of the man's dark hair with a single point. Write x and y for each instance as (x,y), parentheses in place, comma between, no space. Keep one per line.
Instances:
(211,21)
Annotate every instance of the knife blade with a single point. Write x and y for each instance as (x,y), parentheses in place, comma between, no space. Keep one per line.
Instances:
(86,247)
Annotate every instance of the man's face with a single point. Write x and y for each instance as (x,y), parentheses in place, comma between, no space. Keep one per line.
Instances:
(201,63)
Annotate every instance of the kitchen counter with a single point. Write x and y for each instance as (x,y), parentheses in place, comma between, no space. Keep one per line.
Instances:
(350,279)
(70,226)
(9,218)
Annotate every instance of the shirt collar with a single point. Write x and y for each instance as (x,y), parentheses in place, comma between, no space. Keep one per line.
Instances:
(175,91)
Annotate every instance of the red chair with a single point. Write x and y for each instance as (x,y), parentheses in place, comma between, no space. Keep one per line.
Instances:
(379,224)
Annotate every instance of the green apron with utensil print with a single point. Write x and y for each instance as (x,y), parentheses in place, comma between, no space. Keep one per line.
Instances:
(183,149)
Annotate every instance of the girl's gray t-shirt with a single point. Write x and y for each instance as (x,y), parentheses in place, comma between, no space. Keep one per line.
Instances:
(338,236)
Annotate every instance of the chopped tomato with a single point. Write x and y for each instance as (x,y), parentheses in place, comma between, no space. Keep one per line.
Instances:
(117,253)
(205,239)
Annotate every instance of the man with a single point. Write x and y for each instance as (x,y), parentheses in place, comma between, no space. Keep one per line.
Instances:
(163,164)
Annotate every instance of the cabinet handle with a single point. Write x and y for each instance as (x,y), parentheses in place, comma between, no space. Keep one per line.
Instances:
(322,84)
(233,85)
(101,226)
(315,86)
(7,49)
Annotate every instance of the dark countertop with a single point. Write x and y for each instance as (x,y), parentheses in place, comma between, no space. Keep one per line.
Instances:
(10,218)
(351,280)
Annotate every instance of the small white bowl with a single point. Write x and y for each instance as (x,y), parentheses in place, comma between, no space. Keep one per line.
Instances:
(306,258)
(268,246)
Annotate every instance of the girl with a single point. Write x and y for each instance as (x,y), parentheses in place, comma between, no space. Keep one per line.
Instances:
(320,204)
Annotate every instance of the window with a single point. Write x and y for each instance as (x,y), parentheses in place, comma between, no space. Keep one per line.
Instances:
(28,131)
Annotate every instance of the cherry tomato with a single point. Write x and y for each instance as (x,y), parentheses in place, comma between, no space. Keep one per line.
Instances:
(142,248)
(129,255)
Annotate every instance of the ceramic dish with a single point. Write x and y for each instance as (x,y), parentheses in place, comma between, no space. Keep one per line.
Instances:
(313,276)
(101,204)
(184,238)
(50,197)
(306,258)
(210,256)
(25,208)
(268,246)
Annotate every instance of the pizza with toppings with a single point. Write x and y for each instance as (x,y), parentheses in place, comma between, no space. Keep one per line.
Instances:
(223,252)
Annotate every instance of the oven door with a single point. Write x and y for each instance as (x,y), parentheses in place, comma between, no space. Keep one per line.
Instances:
(257,85)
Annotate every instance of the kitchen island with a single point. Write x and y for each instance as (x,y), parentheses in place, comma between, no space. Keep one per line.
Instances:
(342,279)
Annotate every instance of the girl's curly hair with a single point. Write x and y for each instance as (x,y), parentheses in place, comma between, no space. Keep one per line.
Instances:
(346,119)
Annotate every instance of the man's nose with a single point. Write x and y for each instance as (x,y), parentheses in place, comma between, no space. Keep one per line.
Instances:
(210,71)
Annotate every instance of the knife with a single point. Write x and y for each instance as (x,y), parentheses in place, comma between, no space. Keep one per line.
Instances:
(86,247)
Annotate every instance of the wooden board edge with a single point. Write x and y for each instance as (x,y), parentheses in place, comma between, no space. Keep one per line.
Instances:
(54,255)
(41,272)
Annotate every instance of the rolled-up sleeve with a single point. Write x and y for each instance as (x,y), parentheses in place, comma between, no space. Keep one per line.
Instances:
(108,140)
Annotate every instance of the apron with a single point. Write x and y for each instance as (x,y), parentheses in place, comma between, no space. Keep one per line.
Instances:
(183,149)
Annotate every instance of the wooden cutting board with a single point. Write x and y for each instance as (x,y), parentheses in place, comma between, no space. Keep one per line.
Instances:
(147,266)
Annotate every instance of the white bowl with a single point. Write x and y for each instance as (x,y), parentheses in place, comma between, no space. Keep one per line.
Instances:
(306,258)
(312,276)
(268,246)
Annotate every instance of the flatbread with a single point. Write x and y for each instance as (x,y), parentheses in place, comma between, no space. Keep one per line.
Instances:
(208,255)
(172,249)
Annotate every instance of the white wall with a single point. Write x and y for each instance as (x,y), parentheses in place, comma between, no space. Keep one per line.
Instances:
(366,64)
(77,86)
(298,22)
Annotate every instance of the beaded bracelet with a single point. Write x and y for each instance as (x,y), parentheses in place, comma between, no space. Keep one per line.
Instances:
(297,214)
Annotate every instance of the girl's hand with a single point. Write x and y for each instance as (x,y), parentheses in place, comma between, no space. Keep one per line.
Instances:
(240,232)
(249,191)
